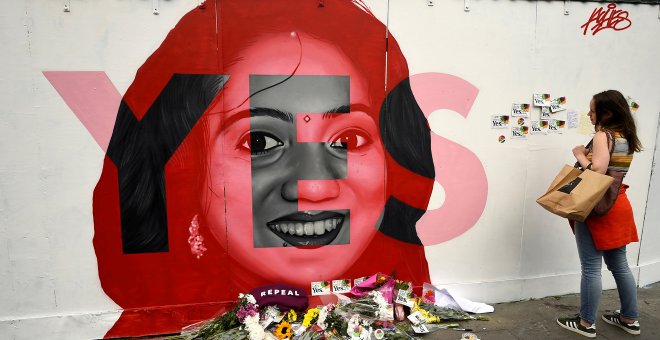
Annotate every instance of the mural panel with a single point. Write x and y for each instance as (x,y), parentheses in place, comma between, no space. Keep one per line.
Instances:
(271,142)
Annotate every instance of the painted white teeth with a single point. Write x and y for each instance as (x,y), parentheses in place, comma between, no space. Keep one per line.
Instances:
(319,229)
(327,224)
(307,228)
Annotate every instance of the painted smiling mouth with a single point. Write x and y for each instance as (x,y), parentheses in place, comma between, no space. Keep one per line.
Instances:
(308,229)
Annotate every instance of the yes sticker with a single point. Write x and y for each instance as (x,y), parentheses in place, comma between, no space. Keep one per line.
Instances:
(321,288)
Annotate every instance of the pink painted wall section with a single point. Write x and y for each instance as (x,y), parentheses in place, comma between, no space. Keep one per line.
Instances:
(93,99)
(458,169)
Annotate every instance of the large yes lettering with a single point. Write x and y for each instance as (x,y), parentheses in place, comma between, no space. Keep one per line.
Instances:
(139,148)
(458,170)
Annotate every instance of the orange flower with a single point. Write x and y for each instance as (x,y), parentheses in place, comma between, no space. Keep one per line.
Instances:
(283,330)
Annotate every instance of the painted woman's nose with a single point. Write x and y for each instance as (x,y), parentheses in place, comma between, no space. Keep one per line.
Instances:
(318,190)
(315,176)
(310,190)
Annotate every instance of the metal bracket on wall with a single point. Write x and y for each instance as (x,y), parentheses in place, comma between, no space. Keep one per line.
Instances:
(67,6)
(566,2)
(466,5)
(155,6)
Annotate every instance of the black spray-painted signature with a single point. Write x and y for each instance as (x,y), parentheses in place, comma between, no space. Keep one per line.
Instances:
(601,19)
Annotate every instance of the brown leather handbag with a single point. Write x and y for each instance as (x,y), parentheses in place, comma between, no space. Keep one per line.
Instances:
(606,203)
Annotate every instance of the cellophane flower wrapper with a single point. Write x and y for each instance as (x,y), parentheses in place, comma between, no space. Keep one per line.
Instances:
(380,282)
(437,314)
(311,334)
(229,324)
(399,310)
(370,307)
(404,330)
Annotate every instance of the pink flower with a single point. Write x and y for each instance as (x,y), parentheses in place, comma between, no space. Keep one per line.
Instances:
(245,311)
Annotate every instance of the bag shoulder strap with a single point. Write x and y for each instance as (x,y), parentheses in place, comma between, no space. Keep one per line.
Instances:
(610,138)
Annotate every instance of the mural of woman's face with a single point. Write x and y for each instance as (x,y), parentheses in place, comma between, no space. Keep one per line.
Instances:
(297,175)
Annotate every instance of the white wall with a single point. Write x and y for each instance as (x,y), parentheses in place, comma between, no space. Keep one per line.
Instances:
(507,49)
(510,50)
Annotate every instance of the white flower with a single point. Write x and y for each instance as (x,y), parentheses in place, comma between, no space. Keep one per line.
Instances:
(240,295)
(250,299)
(323,313)
(253,328)
(385,310)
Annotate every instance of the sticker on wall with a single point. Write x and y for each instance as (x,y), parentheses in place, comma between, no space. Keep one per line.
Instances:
(520,110)
(359,280)
(501,139)
(521,121)
(539,127)
(572,119)
(633,104)
(341,286)
(584,125)
(541,99)
(321,288)
(545,113)
(558,104)
(557,126)
(519,132)
(499,122)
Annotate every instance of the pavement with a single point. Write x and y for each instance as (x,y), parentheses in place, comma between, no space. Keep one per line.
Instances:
(536,319)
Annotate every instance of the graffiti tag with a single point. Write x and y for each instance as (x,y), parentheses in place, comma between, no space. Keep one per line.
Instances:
(601,19)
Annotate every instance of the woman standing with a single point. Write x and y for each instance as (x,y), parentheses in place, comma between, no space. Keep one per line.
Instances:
(606,237)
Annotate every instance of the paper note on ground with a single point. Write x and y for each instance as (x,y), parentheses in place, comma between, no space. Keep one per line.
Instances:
(445,298)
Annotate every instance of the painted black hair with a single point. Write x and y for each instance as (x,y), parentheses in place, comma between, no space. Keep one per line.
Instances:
(407,138)
(140,150)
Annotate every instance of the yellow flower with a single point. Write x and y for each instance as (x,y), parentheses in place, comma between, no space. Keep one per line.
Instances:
(310,316)
(283,330)
(291,315)
(428,317)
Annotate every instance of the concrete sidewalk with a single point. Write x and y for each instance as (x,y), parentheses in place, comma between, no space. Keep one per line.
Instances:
(536,319)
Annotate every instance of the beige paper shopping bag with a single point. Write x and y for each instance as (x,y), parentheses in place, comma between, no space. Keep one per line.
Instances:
(574,193)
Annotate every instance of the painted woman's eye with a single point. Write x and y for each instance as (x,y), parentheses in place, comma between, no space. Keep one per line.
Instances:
(352,139)
(259,142)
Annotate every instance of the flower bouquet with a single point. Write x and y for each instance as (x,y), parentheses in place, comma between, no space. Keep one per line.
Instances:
(242,322)
(380,282)
(401,295)
(437,314)
(373,306)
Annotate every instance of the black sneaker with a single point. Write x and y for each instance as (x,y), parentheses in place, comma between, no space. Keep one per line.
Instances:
(615,320)
(573,324)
